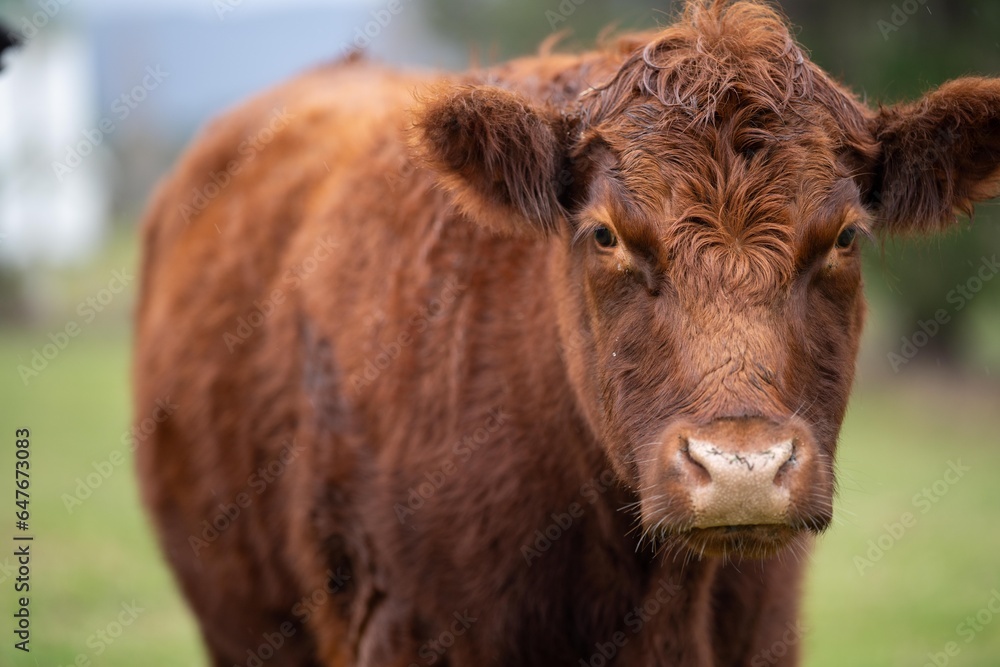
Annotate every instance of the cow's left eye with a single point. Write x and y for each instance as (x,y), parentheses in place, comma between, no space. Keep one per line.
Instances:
(846,238)
(605,237)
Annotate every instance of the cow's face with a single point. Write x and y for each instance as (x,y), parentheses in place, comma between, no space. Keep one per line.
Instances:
(706,206)
(711,308)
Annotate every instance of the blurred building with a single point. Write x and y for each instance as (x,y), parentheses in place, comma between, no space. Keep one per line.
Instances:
(46,106)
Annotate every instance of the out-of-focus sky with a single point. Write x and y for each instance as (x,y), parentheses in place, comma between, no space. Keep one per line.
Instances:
(204,6)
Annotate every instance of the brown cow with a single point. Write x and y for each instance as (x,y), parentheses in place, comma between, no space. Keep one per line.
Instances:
(544,368)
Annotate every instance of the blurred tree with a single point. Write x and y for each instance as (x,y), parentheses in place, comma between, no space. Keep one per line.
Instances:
(888,55)
(495,30)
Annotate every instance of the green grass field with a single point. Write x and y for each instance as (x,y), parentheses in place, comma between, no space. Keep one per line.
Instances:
(89,562)
(899,439)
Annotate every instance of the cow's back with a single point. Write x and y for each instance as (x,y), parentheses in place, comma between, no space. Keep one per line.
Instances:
(273,199)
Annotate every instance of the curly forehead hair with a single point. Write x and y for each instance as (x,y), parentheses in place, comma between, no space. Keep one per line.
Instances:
(716,54)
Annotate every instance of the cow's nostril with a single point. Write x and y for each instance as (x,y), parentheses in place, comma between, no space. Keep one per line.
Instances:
(788,465)
(695,466)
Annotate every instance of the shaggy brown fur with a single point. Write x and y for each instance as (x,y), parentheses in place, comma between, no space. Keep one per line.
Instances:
(436,362)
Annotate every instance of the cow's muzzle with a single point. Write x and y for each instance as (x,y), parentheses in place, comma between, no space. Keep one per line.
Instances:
(745,485)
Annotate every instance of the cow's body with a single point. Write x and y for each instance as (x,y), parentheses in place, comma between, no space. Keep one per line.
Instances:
(397,355)
(379,455)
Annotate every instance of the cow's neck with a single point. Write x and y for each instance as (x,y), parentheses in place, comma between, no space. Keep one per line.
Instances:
(668,589)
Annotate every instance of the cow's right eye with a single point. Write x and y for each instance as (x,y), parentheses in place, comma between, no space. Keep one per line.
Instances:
(605,237)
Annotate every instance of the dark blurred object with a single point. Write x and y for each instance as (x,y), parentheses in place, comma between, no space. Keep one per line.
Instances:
(11,306)
(8,39)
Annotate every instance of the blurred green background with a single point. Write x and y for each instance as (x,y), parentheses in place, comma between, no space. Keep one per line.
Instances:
(878,593)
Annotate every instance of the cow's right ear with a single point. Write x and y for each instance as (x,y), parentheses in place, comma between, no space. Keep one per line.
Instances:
(504,159)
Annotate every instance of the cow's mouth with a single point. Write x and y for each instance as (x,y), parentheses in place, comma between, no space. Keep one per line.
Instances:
(751,541)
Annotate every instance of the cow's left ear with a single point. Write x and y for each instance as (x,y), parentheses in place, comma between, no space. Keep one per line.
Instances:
(504,159)
(938,156)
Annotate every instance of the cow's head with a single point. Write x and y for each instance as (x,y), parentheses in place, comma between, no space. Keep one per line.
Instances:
(706,201)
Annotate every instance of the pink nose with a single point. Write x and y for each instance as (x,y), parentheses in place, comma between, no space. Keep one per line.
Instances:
(741,488)
(743,472)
